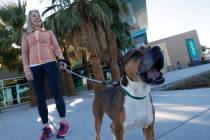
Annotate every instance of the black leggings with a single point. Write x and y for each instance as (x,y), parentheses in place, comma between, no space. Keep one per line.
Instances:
(50,70)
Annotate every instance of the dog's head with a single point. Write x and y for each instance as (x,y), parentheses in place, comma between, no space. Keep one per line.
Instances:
(144,64)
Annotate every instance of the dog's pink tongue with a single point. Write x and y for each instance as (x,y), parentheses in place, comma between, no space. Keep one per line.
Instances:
(153,74)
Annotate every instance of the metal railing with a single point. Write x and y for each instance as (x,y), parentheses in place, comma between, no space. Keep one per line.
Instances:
(13,91)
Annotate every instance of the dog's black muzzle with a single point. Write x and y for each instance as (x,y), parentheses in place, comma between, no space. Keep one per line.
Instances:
(151,64)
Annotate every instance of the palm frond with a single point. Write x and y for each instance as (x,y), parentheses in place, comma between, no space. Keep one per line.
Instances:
(64,20)
(13,15)
(50,8)
(101,12)
(61,1)
(74,17)
(53,1)
(118,6)
(5,36)
(122,33)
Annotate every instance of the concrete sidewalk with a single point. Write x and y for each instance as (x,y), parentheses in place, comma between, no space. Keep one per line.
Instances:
(180,115)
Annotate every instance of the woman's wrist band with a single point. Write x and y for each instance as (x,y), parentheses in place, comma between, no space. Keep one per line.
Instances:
(61,60)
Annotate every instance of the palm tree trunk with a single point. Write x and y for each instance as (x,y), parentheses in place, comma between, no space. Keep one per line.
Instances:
(68,77)
(97,73)
(113,54)
(93,46)
(70,84)
(87,70)
(115,70)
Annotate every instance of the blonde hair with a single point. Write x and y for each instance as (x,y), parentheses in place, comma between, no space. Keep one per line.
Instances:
(29,26)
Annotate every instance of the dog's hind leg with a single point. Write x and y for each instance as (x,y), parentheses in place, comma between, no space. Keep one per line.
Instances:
(149,132)
(113,133)
(117,130)
(117,126)
(98,113)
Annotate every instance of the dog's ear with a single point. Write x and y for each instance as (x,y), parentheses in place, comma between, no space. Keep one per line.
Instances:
(126,58)
(158,55)
(133,53)
(124,80)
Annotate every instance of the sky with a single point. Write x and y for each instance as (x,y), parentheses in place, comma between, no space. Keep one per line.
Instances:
(166,17)
(170,17)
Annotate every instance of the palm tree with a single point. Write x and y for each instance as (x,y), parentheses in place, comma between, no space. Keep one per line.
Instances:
(81,29)
(54,23)
(112,35)
(87,22)
(12,19)
(119,39)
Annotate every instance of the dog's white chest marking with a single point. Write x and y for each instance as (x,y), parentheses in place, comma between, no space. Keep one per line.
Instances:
(138,113)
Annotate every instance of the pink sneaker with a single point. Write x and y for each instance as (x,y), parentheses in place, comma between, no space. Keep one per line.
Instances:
(46,133)
(63,131)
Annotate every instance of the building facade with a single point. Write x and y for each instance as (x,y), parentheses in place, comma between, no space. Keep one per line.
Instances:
(182,50)
(137,19)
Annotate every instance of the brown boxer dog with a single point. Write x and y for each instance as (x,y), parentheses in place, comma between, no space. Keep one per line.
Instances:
(129,105)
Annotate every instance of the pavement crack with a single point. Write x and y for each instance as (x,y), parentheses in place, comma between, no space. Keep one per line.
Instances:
(181,124)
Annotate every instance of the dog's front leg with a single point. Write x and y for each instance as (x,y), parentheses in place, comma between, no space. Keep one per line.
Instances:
(149,132)
(98,122)
(98,113)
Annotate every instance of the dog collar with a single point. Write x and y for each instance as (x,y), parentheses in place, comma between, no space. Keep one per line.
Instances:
(125,92)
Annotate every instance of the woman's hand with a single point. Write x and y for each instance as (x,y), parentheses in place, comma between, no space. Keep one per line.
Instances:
(28,75)
(62,64)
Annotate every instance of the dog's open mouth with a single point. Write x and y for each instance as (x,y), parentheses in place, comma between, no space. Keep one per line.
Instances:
(151,64)
(153,76)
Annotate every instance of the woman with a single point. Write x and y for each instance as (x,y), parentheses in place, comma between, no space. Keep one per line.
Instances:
(39,48)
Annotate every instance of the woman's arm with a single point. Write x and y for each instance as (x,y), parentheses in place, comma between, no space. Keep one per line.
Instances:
(56,46)
(25,52)
(25,58)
